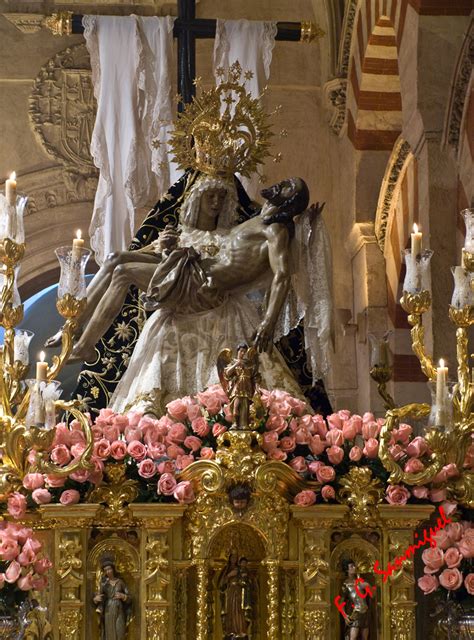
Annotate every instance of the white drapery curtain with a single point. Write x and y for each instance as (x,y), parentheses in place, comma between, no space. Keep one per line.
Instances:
(251,43)
(130,60)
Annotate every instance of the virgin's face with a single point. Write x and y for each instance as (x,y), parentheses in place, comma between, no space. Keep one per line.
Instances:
(109,571)
(212,202)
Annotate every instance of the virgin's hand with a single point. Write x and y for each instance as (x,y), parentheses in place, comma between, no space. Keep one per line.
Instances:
(167,239)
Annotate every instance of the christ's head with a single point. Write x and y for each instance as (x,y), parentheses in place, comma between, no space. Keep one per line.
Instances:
(287,199)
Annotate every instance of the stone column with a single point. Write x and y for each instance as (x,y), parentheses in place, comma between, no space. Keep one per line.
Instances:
(314,532)
(70,557)
(157,578)
(398,593)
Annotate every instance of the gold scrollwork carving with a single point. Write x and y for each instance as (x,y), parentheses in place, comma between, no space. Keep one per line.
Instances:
(316,624)
(70,623)
(316,567)
(115,497)
(402,623)
(157,567)
(157,623)
(361,492)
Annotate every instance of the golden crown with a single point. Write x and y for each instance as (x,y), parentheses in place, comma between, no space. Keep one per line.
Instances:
(224,130)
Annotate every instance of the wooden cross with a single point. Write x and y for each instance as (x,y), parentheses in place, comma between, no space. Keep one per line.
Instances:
(186,29)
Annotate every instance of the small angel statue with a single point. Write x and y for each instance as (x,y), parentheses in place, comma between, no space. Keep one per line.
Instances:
(239,379)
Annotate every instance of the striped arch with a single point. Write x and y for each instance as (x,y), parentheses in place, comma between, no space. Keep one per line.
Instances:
(374,106)
(398,209)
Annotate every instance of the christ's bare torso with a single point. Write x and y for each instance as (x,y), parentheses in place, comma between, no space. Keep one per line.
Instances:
(249,254)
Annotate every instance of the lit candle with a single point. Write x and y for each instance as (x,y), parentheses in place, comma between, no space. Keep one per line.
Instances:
(77,245)
(41,369)
(441,390)
(10,189)
(416,238)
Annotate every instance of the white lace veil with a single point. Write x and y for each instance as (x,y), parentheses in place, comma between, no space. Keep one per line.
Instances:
(310,295)
(190,208)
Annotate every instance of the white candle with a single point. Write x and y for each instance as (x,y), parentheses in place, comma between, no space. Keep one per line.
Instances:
(416,238)
(441,390)
(10,189)
(41,369)
(77,245)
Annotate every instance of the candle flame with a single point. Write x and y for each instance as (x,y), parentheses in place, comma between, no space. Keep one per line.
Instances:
(78,234)
(13,175)
(415,228)
(441,362)
(42,356)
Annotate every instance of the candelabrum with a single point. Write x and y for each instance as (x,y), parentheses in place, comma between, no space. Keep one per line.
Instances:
(450,425)
(28,407)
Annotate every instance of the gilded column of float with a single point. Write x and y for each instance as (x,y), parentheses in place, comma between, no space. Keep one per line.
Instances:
(70,552)
(315,580)
(202,598)
(273,610)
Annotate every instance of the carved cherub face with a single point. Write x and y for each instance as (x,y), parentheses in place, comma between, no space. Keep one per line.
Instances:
(212,201)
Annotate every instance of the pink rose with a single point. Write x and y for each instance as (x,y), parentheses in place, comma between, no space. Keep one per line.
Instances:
(27,555)
(433,557)
(396,451)
(420,492)
(96,432)
(356,421)
(270,440)
(16,505)
(371,448)
(107,414)
(25,583)
(314,466)
(177,433)
(121,422)
(440,477)
(118,450)
(41,496)
(414,465)
(33,481)
(437,495)
(334,421)
(335,437)
(200,427)
(184,492)
(111,432)
(319,425)
(328,493)
(102,449)
(55,481)
(335,454)
(302,436)
(287,443)
(349,430)
(166,484)
(13,572)
(193,443)
(194,412)
(403,433)
(316,445)
(177,410)
(134,418)
(305,498)
(276,423)
(147,468)
(62,434)
(9,549)
(78,449)
(454,531)
(428,584)
(469,583)
(442,539)
(298,464)
(450,579)
(277,454)
(451,470)
(370,430)
(213,405)
(396,494)
(173,451)
(184,461)
(368,417)
(156,451)
(61,455)
(42,565)
(466,544)
(218,429)
(132,433)
(137,450)
(167,466)
(417,447)
(453,557)
(344,414)
(70,496)
(325,473)
(207,453)
(355,454)
(449,507)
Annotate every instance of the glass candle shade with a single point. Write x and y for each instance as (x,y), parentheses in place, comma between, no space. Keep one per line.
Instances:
(468,215)
(21,346)
(11,218)
(16,300)
(441,415)
(41,410)
(417,271)
(73,261)
(379,349)
(462,294)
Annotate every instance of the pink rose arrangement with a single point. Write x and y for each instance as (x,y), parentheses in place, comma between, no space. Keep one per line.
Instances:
(449,565)
(23,564)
